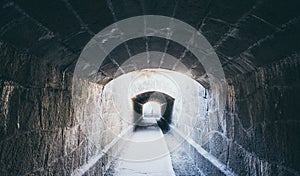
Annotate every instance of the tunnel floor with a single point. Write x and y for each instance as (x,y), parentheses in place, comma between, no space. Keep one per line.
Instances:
(149,152)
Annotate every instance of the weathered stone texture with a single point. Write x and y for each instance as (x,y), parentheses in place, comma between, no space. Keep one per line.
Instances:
(264,123)
(41,133)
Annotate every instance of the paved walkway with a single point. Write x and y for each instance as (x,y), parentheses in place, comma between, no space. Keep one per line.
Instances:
(146,153)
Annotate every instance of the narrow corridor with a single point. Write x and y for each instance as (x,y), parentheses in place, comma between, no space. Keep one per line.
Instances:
(76,76)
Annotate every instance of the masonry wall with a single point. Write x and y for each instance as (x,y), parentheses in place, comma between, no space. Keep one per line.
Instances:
(263,120)
(41,133)
(260,135)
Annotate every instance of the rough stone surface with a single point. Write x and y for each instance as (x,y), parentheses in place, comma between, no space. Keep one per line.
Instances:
(265,120)
(257,43)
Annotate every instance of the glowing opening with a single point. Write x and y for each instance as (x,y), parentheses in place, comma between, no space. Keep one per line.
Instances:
(151,109)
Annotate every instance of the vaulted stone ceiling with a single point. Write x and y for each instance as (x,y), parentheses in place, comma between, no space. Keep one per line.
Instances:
(41,40)
(244,34)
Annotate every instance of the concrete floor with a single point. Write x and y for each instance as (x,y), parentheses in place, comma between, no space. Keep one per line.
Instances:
(150,152)
(145,153)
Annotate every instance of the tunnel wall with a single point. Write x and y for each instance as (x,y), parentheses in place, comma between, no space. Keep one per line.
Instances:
(35,115)
(40,131)
(258,134)
(40,135)
(263,120)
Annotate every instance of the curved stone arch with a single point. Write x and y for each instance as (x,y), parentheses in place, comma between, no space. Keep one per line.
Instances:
(140,61)
(182,57)
(133,83)
(133,87)
(166,101)
(173,29)
(106,40)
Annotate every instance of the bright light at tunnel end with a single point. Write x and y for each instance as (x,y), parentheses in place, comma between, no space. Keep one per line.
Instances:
(98,48)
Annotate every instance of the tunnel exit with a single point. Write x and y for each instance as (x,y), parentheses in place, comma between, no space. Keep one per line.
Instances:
(152,109)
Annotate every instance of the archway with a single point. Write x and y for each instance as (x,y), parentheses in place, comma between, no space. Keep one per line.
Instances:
(93,55)
(165,100)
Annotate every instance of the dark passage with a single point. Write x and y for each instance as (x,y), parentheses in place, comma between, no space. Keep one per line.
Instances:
(234,112)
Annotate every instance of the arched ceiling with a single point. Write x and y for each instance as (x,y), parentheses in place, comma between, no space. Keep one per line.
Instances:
(151,47)
(152,96)
(244,34)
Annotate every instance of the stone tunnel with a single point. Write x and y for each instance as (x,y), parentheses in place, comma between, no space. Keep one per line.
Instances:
(75,78)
